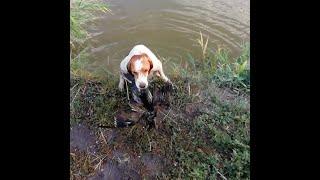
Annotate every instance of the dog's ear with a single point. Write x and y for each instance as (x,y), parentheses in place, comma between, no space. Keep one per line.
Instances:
(129,67)
(151,65)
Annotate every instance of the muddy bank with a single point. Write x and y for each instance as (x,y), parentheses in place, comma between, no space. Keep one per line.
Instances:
(191,133)
(105,153)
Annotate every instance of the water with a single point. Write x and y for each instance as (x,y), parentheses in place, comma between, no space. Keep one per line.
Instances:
(170,28)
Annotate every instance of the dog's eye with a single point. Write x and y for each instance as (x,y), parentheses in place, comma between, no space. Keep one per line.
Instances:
(145,70)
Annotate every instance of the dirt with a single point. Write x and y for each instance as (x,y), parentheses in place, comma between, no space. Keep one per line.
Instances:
(138,151)
(147,166)
(122,161)
(228,96)
(110,135)
(154,164)
(110,171)
(83,139)
(193,109)
(121,156)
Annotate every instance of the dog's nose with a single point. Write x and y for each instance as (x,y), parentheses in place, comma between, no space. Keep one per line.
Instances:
(142,85)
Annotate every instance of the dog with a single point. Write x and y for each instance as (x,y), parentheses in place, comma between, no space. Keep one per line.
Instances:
(138,66)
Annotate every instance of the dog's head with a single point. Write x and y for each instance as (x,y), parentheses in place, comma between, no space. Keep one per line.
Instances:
(140,66)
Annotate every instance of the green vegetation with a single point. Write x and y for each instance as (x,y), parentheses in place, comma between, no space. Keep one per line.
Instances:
(204,133)
(231,74)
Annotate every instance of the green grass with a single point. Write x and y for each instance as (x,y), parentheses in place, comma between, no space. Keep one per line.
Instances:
(227,72)
(210,141)
(217,143)
(218,66)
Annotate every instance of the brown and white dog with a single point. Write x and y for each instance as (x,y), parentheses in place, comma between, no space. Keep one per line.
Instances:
(140,64)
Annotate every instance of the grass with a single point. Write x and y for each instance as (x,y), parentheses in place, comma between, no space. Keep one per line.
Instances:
(203,135)
(232,74)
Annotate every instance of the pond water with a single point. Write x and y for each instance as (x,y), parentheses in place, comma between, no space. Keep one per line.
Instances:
(170,28)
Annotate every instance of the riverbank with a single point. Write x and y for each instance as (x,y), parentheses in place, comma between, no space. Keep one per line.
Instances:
(203,133)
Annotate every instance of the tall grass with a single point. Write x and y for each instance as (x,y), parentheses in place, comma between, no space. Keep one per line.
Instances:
(235,73)
(203,45)
(222,69)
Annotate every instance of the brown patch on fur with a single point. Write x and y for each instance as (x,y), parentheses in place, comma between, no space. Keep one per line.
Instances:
(146,64)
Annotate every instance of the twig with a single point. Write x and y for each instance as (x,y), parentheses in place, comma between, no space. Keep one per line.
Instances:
(96,157)
(98,165)
(103,138)
(84,89)
(166,114)
(222,176)
(75,95)
(150,145)
(195,102)
(74,86)
(70,42)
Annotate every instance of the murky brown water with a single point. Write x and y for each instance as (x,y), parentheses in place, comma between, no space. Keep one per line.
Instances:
(169,28)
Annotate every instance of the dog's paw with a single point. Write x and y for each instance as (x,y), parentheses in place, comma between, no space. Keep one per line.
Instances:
(170,86)
(121,87)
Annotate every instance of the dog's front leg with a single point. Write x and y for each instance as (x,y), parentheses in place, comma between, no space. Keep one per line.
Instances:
(161,74)
(121,83)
